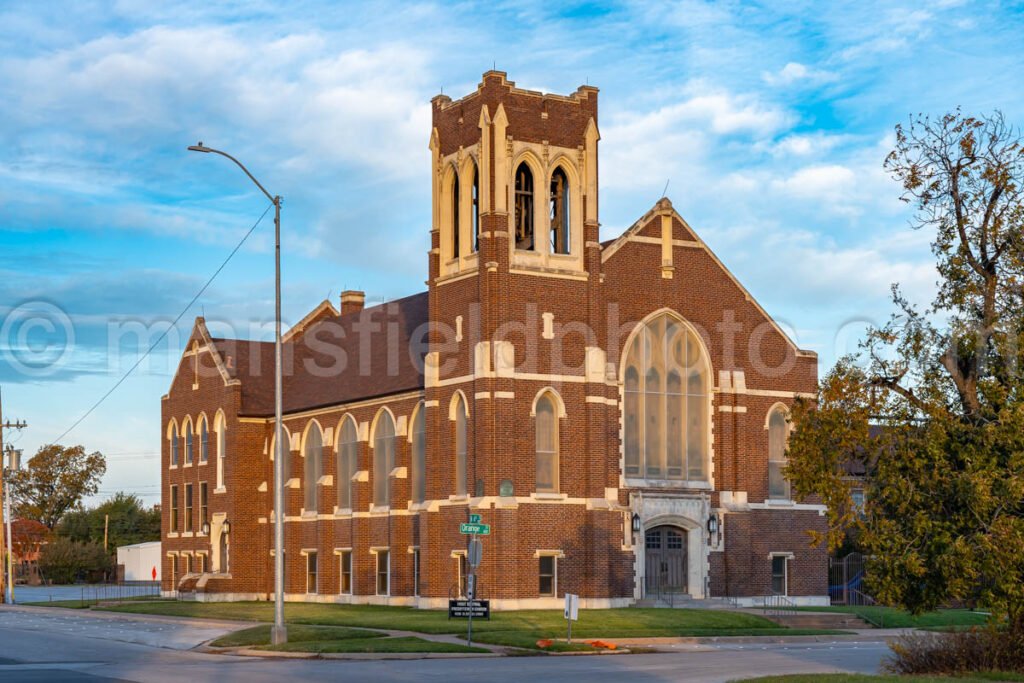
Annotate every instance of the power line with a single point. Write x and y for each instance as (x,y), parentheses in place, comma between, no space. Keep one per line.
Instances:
(165,332)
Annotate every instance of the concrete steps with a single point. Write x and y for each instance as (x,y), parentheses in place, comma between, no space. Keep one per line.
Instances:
(685,602)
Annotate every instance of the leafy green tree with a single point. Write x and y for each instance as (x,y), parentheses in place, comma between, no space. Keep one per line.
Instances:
(65,561)
(56,481)
(944,519)
(129,522)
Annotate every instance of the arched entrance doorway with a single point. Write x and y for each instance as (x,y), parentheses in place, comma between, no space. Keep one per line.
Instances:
(665,560)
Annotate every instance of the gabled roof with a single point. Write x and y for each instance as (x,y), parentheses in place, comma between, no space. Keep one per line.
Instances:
(664,205)
(334,359)
(325,310)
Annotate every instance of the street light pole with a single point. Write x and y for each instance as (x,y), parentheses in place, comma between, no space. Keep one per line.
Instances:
(278,633)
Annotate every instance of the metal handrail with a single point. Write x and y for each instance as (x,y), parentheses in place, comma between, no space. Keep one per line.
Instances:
(777,605)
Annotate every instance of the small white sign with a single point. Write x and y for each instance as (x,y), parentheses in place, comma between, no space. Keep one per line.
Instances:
(572,607)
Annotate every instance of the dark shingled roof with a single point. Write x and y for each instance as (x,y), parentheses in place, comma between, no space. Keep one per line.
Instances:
(340,359)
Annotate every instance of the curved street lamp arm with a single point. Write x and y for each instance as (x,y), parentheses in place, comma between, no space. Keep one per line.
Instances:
(208,150)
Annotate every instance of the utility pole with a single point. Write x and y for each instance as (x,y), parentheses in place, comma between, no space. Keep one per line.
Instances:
(106,526)
(5,493)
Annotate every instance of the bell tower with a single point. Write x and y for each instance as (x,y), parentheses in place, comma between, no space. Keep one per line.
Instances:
(515,273)
(525,157)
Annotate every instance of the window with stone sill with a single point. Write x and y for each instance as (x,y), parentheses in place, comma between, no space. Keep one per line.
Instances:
(383,457)
(313,452)
(204,441)
(189,512)
(779,575)
(456,229)
(547,573)
(524,218)
(174,508)
(188,443)
(383,572)
(546,444)
(286,454)
(311,572)
(348,449)
(559,212)
(346,572)
(778,485)
(222,454)
(204,504)
(666,414)
(461,441)
(175,446)
(419,456)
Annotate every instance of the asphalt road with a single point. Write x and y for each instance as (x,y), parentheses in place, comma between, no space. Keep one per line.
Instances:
(47,645)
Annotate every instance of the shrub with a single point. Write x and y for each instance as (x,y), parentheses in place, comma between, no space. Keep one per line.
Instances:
(960,652)
(66,561)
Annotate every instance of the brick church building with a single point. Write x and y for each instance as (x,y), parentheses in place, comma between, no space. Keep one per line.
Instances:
(616,411)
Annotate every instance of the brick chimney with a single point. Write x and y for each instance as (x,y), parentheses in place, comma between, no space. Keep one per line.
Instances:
(352,301)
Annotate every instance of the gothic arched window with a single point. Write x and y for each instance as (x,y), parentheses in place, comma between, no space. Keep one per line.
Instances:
(524,207)
(778,485)
(204,440)
(461,437)
(219,428)
(312,453)
(175,446)
(559,212)
(665,403)
(189,446)
(455,215)
(475,209)
(419,456)
(286,453)
(383,457)
(348,445)
(546,443)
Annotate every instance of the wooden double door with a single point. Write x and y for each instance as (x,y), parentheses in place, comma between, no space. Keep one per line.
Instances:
(666,561)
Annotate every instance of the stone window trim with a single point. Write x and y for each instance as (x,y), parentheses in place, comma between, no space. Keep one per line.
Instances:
(549,577)
(173,444)
(220,441)
(383,444)
(641,478)
(345,554)
(203,434)
(347,460)
(778,428)
(377,551)
(314,441)
(458,416)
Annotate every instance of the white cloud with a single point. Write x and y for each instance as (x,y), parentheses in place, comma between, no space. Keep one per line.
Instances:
(826,181)
(298,92)
(795,72)
(644,148)
(802,145)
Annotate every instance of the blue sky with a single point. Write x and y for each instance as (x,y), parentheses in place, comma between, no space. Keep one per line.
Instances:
(769,121)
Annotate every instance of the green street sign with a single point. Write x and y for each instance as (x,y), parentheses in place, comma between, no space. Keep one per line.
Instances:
(474,519)
(478,529)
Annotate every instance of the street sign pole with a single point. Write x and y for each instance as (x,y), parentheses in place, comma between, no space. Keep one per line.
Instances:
(470,591)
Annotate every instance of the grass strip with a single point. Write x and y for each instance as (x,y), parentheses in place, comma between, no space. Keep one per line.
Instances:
(260,635)
(404,644)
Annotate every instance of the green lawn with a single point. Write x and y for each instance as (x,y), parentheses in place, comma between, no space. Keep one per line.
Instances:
(318,639)
(865,678)
(542,623)
(260,635)
(889,617)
